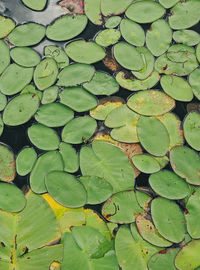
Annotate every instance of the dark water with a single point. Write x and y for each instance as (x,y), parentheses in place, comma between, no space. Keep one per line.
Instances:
(16,137)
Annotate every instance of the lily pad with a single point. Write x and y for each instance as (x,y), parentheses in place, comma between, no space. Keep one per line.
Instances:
(50,95)
(45,73)
(112,22)
(66,27)
(187,37)
(151,102)
(122,207)
(65,189)
(86,52)
(31,89)
(114,7)
(20,109)
(98,189)
(11,198)
(177,88)
(46,163)
(37,5)
(25,160)
(146,163)
(192,130)
(79,130)
(3,101)
(109,162)
(194,81)
(107,37)
(124,122)
(27,34)
(168,219)
(102,84)
(57,54)
(43,137)
(7,164)
(25,56)
(127,56)
(6,26)
(168,4)
(78,99)
(93,11)
(159,37)
(4,56)
(184,14)
(54,115)
(14,79)
(70,157)
(169,185)
(192,215)
(153,135)
(132,32)
(185,162)
(75,74)
(145,11)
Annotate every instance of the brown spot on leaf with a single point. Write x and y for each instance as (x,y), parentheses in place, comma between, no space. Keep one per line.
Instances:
(164,251)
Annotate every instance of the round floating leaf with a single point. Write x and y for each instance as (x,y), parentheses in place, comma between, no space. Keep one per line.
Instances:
(151,102)
(66,27)
(20,109)
(122,207)
(14,79)
(27,34)
(43,137)
(124,121)
(7,164)
(177,88)
(131,250)
(174,128)
(107,161)
(143,199)
(164,259)
(184,14)
(93,11)
(70,157)
(78,99)
(102,84)
(25,56)
(192,215)
(36,4)
(79,130)
(25,161)
(136,85)
(180,53)
(148,68)
(45,73)
(146,163)
(188,257)
(6,26)
(98,189)
(145,11)
(127,56)
(11,198)
(168,219)
(107,37)
(50,95)
(148,231)
(169,185)
(194,81)
(65,189)
(185,162)
(159,37)
(54,115)
(48,162)
(113,22)
(86,52)
(3,101)
(4,56)
(153,135)
(192,130)
(132,32)
(110,7)
(105,106)
(58,55)
(75,74)
(187,37)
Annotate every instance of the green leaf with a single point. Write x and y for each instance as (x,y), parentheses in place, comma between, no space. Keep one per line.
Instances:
(70,157)
(93,11)
(57,54)
(146,163)
(107,37)
(192,130)
(112,22)
(25,56)
(37,5)
(5,56)
(6,26)
(187,37)
(110,7)
(194,81)
(50,95)
(25,160)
